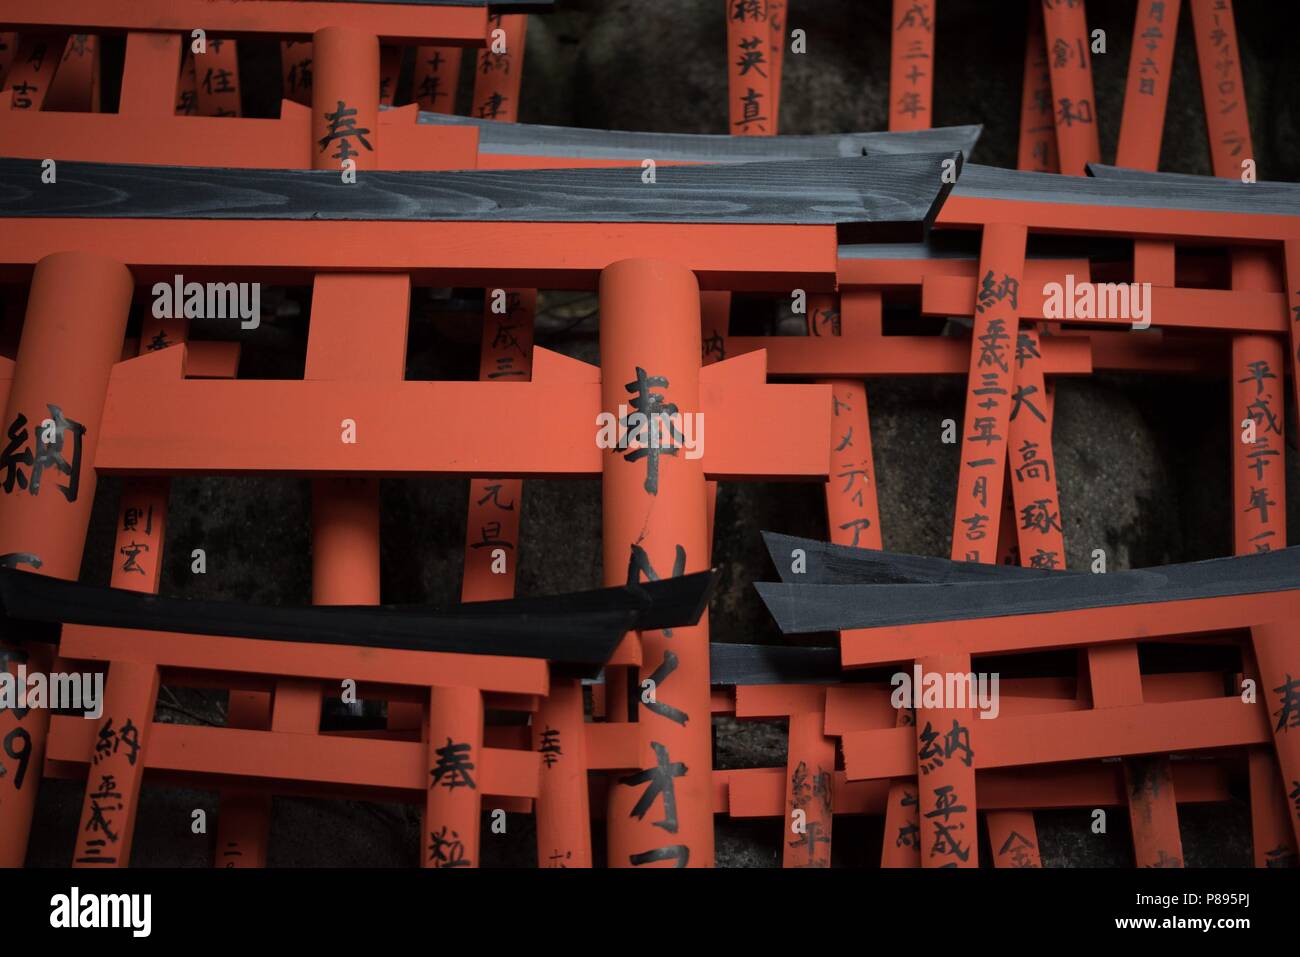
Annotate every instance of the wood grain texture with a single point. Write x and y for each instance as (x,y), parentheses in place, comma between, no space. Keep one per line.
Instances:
(1111,186)
(580,629)
(861,191)
(736,664)
(809,608)
(828,564)
(535,139)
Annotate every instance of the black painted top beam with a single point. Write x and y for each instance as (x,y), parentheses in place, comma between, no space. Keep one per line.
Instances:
(532,139)
(865,196)
(800,609)
(827,564)
(1114,186)
(578,630)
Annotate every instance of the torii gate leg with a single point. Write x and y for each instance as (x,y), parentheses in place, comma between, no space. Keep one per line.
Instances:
(655,525)
(76,317)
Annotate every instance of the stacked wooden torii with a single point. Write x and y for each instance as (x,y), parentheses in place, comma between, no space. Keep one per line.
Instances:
(1008,208)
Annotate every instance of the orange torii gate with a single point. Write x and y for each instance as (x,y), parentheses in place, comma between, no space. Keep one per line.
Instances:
(308,694)
(1070,65)
(911,65)
(923,620)
(849,708)
(1258,486)
(189,414)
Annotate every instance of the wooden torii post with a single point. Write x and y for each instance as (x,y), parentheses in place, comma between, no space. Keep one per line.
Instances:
(897,621)
(43,520)
(1070,64)
(911,65)
(327,454)
(762,792)
(341,67)
(1258,467)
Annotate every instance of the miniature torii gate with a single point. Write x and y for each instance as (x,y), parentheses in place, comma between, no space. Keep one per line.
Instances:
(961,199)
(253,458)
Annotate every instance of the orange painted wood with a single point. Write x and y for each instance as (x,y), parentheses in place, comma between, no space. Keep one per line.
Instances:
(1291,278)
(867,646)
(87,298)
(911,65)
(117,760)
(290,659)
(918,272)
(567,749)
(996,303)
(216,72)
(1259,509)
(780,701)
(8,46)
(192,420)
(436,78)
(1013,838)
(776,14)
(244,817)
(390,65)
(809,794)
(1242,310)
(75,87)
(801,356)
(1136,222)
(1070,65)
(186,100)
(1272,837)
(499,68)
(1275,652)
(1153,811)
(1031,462)
(853,518)
(810,767)
(1258,407)
(332,353)
(495,504)
(852,508)
(345,511)
(715,320)
(476,253)
(141,530)
(344,99)
(32,72)
(391,22)
(749,69)
(455,751)
(759,792)
(1218,57)
(1146,92)
(296,70)
(655,526)
(946,743)
(901,845)
(1037,144)
(854,707)
(328,763)
(1075,736)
